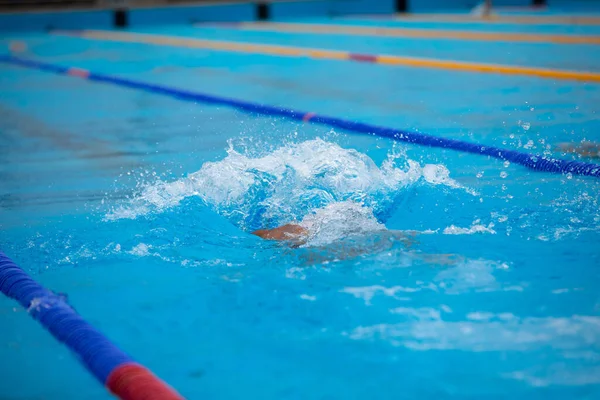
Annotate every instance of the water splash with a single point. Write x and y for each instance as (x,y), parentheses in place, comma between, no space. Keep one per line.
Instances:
(344,219)
(289,183)
(476,227)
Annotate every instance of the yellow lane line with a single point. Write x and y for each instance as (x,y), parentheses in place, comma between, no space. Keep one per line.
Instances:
(490,68)
(339,55)
(419,33)
(193,43)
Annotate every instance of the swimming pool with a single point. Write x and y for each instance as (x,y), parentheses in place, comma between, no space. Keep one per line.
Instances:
(138,206)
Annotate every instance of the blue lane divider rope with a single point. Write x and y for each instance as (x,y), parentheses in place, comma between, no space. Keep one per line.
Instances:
(531,161)
(96,352)
(113,368)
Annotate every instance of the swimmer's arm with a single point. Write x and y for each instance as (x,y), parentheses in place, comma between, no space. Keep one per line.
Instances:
(298,234)
(288,232)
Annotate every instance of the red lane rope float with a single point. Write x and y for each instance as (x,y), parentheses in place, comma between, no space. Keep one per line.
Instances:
(131,381)
(111,366)
(81,73)
(308,116)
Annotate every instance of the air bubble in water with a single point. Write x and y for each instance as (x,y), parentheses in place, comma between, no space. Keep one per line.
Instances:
(569,176)
(506,164)
(503,174)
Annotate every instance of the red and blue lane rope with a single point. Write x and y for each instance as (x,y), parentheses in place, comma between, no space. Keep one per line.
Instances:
(531,161)
(122,376)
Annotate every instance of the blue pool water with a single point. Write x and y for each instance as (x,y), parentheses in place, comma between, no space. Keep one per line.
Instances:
(139,207)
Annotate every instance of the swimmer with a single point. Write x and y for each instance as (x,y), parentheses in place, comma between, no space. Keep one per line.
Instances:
(296,235)
(584,149)
(291,233)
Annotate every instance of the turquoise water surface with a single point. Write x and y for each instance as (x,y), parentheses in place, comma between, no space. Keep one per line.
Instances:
(140,207)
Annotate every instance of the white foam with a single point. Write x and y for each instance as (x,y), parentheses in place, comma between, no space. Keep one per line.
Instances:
(339,220)
(438,174)
(144,250)
(367,293)
(295,273)
(285,184)
(140,250)
(559,374)
(426,329)
(475,228)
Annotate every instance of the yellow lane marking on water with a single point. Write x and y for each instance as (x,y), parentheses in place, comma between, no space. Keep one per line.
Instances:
(418,33)
(337,55)
(500,19)
(490,68)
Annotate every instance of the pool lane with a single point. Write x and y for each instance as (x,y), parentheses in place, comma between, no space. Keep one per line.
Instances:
(474,106)
(576,57)
(415,33)
(501,110)
(469,24)
(526,159)
(274,47)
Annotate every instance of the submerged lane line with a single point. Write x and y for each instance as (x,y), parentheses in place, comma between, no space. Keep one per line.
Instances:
(499,19)
(412,33)
(288,51)
(531,161)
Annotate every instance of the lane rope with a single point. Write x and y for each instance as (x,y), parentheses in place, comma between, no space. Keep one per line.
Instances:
(531,161)
(122,376)
(324,54)
(412,33)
